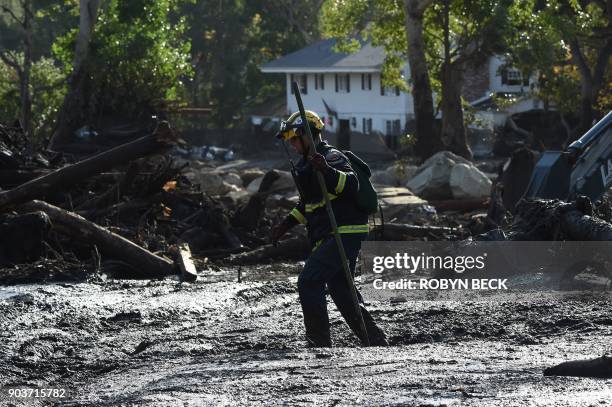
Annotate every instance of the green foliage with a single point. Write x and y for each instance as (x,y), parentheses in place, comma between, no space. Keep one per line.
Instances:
(477,29)
(139,55)
(230,42)
(381,22)
(47,87)
(540,44)
(9,94)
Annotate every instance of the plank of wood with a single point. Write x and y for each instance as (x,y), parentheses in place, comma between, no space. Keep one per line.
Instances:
(185,263)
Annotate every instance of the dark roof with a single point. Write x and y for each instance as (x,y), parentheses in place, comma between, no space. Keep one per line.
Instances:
(321,56)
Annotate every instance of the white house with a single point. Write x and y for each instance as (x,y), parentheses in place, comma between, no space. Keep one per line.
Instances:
(346,89)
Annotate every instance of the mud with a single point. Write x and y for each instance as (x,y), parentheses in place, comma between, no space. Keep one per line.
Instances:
(223,342)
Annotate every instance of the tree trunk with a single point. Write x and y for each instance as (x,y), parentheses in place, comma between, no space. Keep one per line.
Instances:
(75,109)
(453,127)
(586,90)
(111,244)
(26,99)
(428,140)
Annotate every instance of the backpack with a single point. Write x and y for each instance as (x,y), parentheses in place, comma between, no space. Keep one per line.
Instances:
(367,198)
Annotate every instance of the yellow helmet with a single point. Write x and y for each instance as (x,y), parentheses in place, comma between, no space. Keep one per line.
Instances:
(287,127)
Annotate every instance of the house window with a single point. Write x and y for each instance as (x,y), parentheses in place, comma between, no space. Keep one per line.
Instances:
(302,80)
(366,125)
(343,83)
(389,90)
(366,81)
(319,81)
(513,77)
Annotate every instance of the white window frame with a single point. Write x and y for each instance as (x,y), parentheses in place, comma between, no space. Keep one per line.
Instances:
(319,81)
(390,91)
(366,81)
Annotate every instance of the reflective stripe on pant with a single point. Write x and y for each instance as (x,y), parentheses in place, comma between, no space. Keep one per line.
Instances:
(346,229)
(322,268)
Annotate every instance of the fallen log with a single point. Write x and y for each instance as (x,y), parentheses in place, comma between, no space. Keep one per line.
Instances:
(109,243)
(400,231)
(162,138)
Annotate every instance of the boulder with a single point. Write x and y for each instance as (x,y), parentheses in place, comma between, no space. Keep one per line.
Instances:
(467,181)
(433,178)
(232,178)
(249,175)
(283,183)
(394,175)
(211,183)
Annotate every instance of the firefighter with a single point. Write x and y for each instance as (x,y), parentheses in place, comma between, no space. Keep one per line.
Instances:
(323,267)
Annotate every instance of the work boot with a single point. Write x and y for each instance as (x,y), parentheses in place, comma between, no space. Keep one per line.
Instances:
(376,335)
(378,340)
(318,342)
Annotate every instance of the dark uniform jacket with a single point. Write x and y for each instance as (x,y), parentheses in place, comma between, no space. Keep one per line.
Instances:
(342,187)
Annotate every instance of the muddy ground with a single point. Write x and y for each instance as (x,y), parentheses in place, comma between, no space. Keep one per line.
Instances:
(220,342)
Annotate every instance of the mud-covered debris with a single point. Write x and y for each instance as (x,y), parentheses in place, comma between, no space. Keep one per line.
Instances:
(142,346)
(128,316)
(600,367)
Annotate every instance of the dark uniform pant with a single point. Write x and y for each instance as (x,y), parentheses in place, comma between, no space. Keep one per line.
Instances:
(323,268)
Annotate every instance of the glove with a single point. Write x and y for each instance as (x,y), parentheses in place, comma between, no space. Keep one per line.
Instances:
(318,163)
(277,232)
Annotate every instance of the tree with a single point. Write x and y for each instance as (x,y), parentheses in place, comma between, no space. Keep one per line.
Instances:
(22,64)
(568,45)
(439,39)
(135,62)
(75,108)
(471,32)
(428,141)
(401,33)
(230,42)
